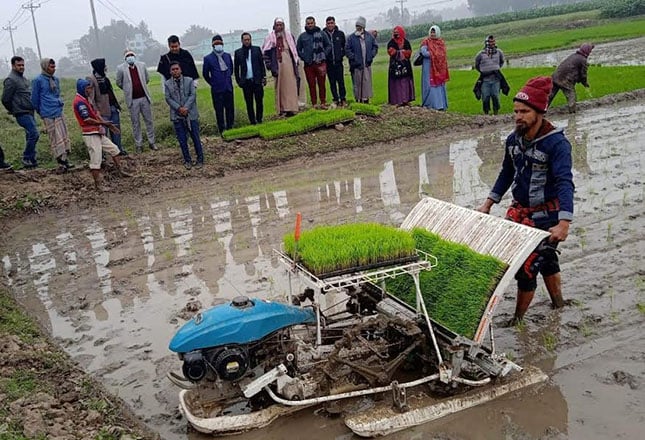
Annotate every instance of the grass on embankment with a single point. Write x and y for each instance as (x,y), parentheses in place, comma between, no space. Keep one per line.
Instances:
(34,371)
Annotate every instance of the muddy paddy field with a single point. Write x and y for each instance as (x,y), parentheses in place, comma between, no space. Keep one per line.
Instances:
(113,283)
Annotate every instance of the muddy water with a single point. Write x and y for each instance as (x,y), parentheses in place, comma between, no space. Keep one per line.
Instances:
(110,284)
(617,53)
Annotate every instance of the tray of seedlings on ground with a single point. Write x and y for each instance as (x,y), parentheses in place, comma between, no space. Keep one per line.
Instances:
(360,108)
(301,123)
(328,251)
(457,290)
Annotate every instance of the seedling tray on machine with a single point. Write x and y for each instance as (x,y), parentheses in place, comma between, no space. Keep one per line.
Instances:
(355,276)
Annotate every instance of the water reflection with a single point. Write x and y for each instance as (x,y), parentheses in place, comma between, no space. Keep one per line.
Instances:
(113,289)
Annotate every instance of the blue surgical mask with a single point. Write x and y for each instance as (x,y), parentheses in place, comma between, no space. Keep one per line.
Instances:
(130,59)
(218,48)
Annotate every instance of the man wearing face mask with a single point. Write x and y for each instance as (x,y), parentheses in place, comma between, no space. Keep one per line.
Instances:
(132,77)
(361,49)
(218,73)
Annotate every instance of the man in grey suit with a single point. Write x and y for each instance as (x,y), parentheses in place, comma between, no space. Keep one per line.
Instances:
(181,96)
(132,78)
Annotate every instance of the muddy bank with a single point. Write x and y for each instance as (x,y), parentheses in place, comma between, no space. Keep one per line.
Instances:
(110,280)
(45,395)
(25,192)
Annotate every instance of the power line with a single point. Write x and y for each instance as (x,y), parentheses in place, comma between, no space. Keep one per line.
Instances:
(11,29)
(121,13)
(31,8)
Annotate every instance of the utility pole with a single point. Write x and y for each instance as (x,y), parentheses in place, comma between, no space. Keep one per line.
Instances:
(401,9)
(31,8)
(294,27)
(10,29)
(96,29)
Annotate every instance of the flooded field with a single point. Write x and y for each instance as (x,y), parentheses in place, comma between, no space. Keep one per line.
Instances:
(617,53)
(112,284)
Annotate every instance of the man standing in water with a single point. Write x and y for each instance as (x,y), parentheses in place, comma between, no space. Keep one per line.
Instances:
(537,165)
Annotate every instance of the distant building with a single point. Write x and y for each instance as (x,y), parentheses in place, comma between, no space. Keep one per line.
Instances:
(232,42)
(138,43)
(74,52)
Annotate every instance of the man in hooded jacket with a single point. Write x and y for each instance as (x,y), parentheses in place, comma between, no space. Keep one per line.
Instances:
(537,168)
(571,71)
(93,128)
(104,99)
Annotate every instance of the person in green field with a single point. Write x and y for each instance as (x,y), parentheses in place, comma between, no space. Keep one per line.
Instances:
(488,63)
(571,71)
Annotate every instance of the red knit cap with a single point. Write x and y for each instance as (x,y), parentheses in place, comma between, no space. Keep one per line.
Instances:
(535,93)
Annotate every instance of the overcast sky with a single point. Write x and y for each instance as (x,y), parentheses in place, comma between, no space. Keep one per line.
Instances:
(61,21)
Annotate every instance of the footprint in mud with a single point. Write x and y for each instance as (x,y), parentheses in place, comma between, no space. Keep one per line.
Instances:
(622,378)
(192,306)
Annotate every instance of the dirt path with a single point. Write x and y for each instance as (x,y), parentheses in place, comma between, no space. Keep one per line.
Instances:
(108,279)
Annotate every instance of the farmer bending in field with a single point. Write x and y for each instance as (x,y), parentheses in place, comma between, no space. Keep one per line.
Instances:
(537,165)
(93,129)
(571,71)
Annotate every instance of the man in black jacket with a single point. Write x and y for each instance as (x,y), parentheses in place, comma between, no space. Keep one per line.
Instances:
(335,68)
(250,75)
(179,55)
(16,98)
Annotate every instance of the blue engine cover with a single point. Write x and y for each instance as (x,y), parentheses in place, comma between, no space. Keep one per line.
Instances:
(226,324)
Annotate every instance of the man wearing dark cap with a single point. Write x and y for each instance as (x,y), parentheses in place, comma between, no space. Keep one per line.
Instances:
(218,73)
(537,166)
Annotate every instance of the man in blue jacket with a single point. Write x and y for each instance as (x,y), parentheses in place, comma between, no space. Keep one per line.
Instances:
(360,66)
(218,73)
(46,99)
(537,166)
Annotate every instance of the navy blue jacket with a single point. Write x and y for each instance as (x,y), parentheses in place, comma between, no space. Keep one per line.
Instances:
(354,54)
(220,81)
(538,172)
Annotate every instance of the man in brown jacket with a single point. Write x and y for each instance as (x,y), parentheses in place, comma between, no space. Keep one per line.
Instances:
(571,71)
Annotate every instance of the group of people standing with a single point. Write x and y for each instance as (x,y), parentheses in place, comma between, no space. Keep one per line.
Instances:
(95,107)
(432,56)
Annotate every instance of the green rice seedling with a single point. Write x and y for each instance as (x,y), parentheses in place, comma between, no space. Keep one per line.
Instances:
(640,307)
(327,249)
(457,290)
(304,122)
(365,109)
(610,237)
(550,341)
(245,132)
